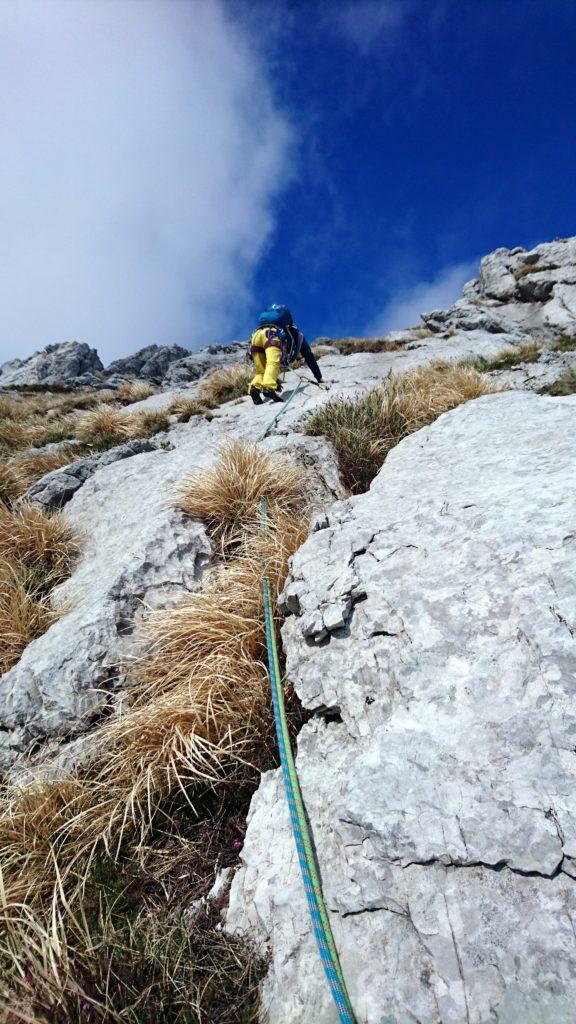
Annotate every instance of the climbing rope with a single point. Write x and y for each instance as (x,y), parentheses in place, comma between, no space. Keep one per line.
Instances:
(299,820)
(300,385)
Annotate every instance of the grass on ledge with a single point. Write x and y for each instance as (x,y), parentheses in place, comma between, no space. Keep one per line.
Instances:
(37,552)
(363,430)
(135,391)
(224,385)
(565,385)
(507,358)
(227,497)
(198,720)
(528,268)
(29,421)
(566,343)
(349,346)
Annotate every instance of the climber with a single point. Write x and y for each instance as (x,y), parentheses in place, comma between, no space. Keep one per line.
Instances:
(276,344)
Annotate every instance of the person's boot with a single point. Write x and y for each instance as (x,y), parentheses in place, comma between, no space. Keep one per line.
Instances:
(268,393)
(256,396)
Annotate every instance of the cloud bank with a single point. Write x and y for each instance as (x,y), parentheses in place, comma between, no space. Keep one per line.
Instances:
(405,308)
(142,151)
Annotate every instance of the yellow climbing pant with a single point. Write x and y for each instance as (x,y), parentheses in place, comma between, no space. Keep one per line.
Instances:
(267,367)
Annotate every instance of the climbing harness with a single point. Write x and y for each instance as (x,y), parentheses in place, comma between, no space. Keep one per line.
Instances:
(299,820)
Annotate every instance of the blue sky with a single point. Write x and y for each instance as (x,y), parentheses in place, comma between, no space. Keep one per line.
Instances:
(427,138)
(169,165)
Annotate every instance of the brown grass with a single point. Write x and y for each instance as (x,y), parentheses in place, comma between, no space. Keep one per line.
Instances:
(135,391)
(104,420)
(224,385)
(31,420)
(129,958)
(199,718)
(37,551)
(25,613)
(528,268)
(349,346)
(185,407)
(107,426)
(228,496)
(363,430)
(147,423)
(199,713)
(19,472)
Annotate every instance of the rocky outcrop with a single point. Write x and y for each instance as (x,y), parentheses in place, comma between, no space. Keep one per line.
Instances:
(432,632)
(54,490)
(150,363)
(196,364)
(533,292)
(67,363)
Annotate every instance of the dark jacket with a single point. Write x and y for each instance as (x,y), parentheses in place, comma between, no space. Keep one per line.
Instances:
(310,359)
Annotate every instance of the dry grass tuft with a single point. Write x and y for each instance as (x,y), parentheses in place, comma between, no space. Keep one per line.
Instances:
(224,385)
(19,472)
(565,385)
(127,958)
(42,543)
(565,343)
(185,407)
(349,346)
(106,426)
(528,268)
(135,391)
(103,421)
(148,422)
(25,612)
(529,352)
(37,552)
(363,430)
(228,496)
(199,719)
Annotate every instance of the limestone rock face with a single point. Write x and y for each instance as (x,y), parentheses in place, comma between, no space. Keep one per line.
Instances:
(54,490)
(195,364)
(149,363)
(529,291)
(53,365)
(432,630)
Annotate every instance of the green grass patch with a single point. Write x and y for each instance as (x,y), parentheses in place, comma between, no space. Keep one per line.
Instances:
(565,385)
(363,430)
(567,343)
(506,359)
(349,346)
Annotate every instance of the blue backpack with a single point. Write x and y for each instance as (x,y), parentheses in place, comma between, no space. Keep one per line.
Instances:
(276,316)
(281,318)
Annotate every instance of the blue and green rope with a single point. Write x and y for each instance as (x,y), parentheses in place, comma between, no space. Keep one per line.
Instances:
(300,826)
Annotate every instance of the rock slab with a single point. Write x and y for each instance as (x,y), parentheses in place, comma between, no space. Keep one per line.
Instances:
(432,629)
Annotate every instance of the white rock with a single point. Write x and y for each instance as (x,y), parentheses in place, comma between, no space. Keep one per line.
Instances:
(443,806)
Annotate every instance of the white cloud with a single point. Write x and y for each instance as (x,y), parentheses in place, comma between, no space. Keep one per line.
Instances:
(365,22)
(405,308)
(142,151)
